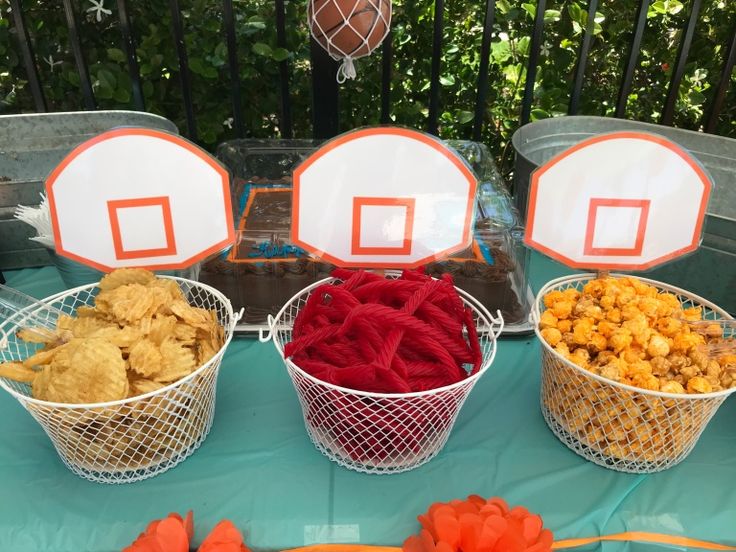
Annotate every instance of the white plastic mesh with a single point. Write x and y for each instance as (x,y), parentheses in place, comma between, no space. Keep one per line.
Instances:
(374,432)
(615,425)
(133,439)
(349,29)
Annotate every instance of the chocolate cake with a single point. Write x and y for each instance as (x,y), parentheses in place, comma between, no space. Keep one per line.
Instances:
(262,271)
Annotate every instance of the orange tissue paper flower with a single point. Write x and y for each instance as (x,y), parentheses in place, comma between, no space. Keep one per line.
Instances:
(479,525)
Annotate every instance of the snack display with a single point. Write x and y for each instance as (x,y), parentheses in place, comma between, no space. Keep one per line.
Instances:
(125,384)
(604,338)
(382,369)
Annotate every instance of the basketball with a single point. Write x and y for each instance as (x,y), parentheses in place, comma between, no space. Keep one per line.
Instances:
(349,28)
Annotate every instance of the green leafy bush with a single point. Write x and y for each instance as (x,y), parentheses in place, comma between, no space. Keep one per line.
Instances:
(259,58)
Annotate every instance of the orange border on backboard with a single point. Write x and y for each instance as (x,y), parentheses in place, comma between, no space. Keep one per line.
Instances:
(178,140)
(359,202)
(117,239)
(534,183)
(432,142)
(595,203)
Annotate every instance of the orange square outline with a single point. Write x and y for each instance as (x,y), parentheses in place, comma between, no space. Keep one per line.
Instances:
(595,203)
(162,201)
(360,202)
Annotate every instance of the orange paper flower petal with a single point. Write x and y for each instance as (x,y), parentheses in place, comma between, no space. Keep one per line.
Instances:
(224,537)
(414,544)
(166,535)
(447,528)
(531,526)
(470,528)
(172,535)
(493,528)
(189,524)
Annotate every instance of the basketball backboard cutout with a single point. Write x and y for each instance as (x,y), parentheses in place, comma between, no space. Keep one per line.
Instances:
(624,200)
(139,197)
(384,197)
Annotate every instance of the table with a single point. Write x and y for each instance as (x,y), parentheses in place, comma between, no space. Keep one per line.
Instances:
(258,468)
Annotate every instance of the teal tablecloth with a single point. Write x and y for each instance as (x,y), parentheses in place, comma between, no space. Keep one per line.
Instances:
(258,468)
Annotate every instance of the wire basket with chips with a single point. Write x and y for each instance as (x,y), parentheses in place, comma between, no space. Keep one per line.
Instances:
(620,426)
(380,433)
(166,414)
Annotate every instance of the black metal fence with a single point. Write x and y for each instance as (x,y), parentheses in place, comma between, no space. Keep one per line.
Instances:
(325,88)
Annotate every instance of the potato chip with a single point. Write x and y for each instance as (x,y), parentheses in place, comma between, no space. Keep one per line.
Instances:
(17,372)
(162,326)
(125,276)
(121,337)
(97,374)
(142,386)
(199,318)
(38,335)
(88,326)
(43,356)
(170,286)
(185,333)
(40,384)
(86,310)
(205,351)
(145,358)
(178,361)
(63,358)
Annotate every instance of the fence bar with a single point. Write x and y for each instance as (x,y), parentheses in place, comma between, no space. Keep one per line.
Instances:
(434,80)
(531,70)
(232,59)
(577,87)
(324,92)
(285,125)
(625,88)
(126,30)
(181,50)
(29,60)
(722,88)
(75,43)
(674,88)
(485,56)
(386,60)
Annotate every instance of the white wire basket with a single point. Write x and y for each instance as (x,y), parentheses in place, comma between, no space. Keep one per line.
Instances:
(379,433)
(131,439)
(619,426)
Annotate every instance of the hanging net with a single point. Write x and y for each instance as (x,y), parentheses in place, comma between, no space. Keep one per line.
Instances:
(349,29)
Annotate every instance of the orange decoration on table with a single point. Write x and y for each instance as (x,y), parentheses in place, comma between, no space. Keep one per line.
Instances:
(479,525)
(174,534)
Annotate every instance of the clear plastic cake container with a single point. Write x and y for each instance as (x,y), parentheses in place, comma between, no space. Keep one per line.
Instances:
(264,270)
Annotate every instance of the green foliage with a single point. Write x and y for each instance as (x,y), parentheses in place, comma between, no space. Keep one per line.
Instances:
(259,57)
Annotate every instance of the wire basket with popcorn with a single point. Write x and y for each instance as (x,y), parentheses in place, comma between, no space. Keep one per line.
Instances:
(124,383)
(632,369)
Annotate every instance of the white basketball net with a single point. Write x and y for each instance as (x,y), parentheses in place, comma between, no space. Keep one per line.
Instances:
(363,45)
